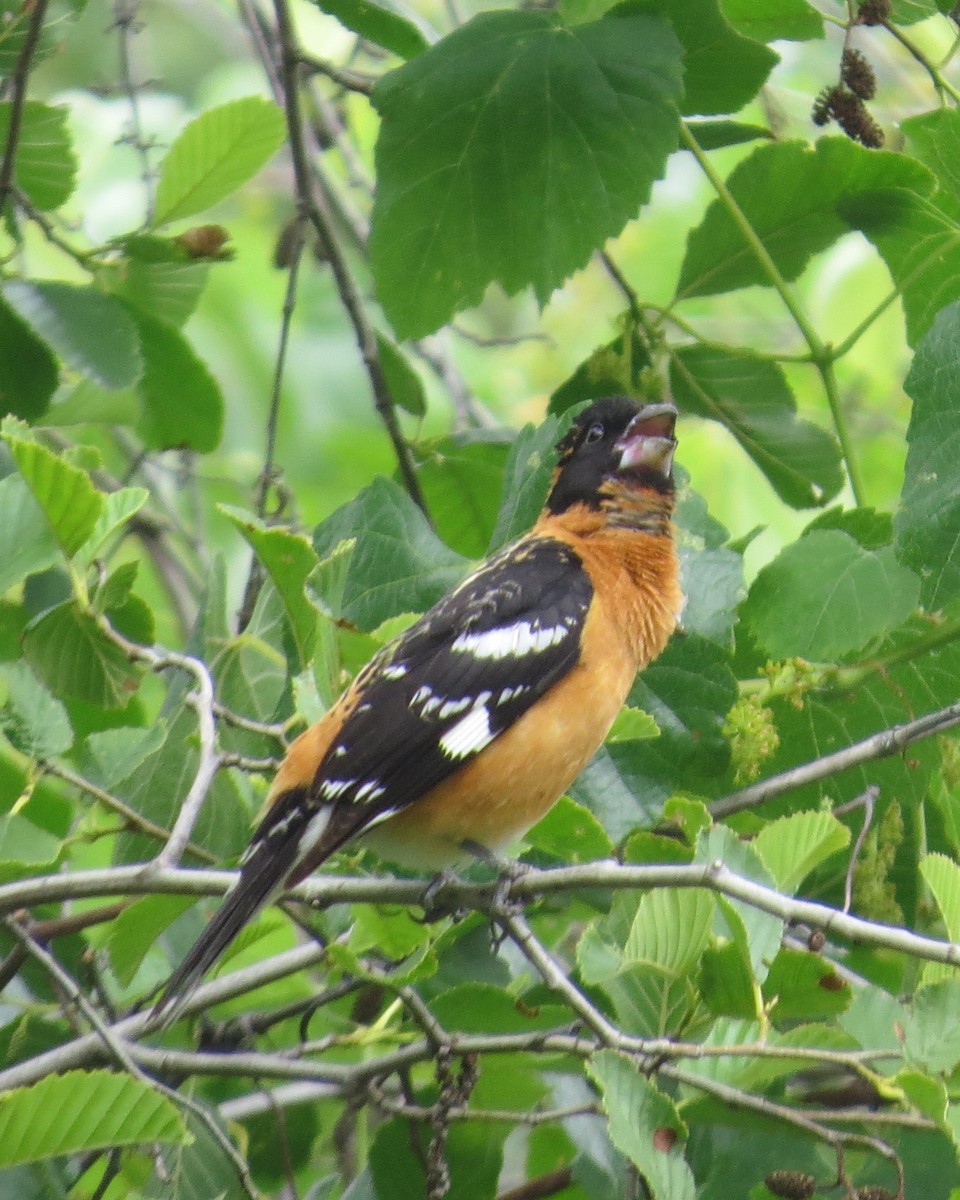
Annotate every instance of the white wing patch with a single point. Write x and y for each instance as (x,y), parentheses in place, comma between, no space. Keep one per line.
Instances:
(471,733)
(313,833)
(510,641)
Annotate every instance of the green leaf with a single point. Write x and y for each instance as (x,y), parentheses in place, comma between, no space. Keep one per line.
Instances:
(117,753)
(25,849)
(793,846)
(28,370)
(824,596)
(713,587)
(926,1094)
(135,930)
(76,660)
(402,380)
(216,153)
(751,397)
(942,877)
(631,725)
(27,544)
(931,1035)
(927,521)
(67,498)
(461,478)
(919,242)
(388,929)
(90,331)
(116,510)
(644,1125)
(380,22)
(45,165)
(33,720)
(473,1153)
(773,20)
(398,564)
(80,1111)
(714,135)
(571,833)
(670,930)
(722,70)
(183,404)
(804,987)
(526,479)
(758,934)
(510,151)
(167,291)
(726,981)
(288,559)
(789,194)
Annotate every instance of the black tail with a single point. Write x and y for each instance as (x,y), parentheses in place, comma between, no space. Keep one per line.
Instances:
(272,855)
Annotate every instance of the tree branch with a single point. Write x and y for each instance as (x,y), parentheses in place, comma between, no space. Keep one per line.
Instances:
(18,99)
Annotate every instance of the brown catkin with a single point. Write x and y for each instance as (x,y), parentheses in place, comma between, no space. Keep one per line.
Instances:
(873,12)
(791,1185)
(858,75)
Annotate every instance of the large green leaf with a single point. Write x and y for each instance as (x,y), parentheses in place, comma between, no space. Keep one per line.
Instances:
(182,402)
(751,397)
(215,154)
(90,331)
(81,1111)
(526,480)
(644,1125)
(512,149)
(789,193)
(45,166)
(398,564)
(927,524)
(67,498)
(825,596)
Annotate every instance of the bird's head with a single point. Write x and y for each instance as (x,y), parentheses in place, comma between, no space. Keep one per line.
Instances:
(615,446)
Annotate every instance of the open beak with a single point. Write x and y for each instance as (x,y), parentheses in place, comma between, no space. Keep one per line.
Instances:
(648,443)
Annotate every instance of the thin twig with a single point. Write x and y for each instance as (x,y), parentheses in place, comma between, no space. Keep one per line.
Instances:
(18,98)
(126,23)
(314,206)
(130,815)
(867,802)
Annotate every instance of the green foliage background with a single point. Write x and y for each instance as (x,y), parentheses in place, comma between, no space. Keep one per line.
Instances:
(295,299)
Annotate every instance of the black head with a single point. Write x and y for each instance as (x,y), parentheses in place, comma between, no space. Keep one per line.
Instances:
(615,438)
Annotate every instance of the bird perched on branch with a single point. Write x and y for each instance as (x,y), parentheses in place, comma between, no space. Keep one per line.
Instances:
(459,735)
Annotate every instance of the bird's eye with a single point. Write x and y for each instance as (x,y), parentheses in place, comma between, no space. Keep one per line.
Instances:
(594,434)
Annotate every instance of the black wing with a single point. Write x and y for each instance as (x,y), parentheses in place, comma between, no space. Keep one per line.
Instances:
(455,680)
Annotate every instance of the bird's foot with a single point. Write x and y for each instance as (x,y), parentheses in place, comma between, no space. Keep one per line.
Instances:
(434,904)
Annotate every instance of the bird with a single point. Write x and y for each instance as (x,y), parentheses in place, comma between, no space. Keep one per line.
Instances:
(459,735)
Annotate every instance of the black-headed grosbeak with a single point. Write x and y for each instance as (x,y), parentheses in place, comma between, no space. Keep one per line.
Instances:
(459,735)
